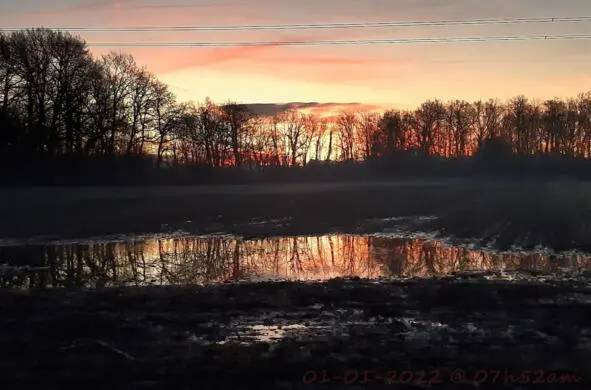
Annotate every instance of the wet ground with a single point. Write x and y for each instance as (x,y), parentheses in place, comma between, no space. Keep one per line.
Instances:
(513,330)
(113,313)
(550,213)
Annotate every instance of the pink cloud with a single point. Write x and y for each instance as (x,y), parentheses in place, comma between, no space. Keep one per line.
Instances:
(269,60)
(328,70)
(124,13)
(326,60)
(86,7)
(251,60)
(133,5)
(174,59)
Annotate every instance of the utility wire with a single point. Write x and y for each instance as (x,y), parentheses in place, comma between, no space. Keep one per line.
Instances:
(342,42)
(577,19)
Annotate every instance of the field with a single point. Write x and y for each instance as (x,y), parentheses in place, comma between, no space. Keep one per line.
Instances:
(550,213)
(452,332)
(510,331)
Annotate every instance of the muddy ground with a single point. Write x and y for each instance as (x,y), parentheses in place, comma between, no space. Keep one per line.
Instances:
(361,333)
(549,213)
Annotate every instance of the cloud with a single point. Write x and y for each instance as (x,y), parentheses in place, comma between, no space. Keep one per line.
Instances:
(132,5)
(95,5)
(216,56)
(328,61)
(212,4)
(316,108)
(267,60)
(167,60)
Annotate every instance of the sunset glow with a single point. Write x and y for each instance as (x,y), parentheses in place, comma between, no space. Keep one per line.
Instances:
(400,76)
(197,260)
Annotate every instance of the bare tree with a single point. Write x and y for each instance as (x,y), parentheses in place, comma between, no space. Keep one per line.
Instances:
(368,128)
(9,93)
(583,108)
(429,121)
(168,116)
(311,127)
(347,124)
(320,134)
(488,120)
(460,118)
(277,140)
(32,61)
(258,143)
(331,130)
(119,70)
(237,117)
(392,137)
(213,133)
(294,130)
(144,92)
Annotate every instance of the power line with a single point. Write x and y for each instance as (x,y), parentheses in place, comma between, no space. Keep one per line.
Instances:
(343,42)
(546,20)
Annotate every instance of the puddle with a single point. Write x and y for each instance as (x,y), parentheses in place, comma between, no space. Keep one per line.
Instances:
(182,259)
(266,333)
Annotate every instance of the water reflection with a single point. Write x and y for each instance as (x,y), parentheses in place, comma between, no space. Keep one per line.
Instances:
(194,260)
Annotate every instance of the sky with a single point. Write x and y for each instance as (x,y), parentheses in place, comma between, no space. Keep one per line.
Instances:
(397,76)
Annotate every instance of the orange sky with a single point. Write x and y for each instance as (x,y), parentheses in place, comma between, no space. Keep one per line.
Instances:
(393,75)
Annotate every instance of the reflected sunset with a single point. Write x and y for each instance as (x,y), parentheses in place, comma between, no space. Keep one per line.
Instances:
(196,260)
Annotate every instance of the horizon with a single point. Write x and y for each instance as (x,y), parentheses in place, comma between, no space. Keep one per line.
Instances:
(361,77)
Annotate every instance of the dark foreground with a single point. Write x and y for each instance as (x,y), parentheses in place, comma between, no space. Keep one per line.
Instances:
(551,213)
(346,333)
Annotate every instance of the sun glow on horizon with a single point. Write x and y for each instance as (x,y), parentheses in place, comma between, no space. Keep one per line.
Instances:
(396,76)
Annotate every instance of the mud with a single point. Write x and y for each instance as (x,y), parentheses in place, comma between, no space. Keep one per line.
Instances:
(553,214)
(342,333)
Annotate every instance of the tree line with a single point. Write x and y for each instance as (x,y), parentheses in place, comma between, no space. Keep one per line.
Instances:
(56,99)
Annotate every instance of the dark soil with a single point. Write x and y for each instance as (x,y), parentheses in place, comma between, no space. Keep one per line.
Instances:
(550,213)
(420,331)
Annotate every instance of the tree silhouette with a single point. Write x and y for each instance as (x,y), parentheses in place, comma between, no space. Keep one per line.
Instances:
(60,104)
